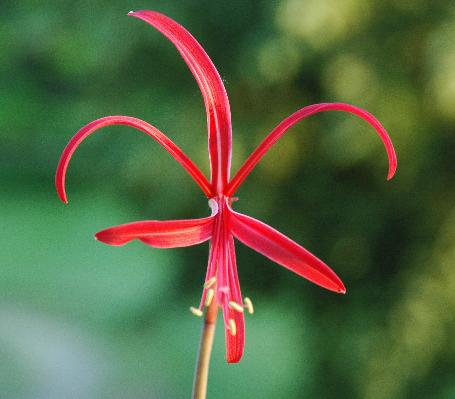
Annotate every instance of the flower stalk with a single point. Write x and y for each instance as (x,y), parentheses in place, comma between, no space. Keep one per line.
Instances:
(201,373)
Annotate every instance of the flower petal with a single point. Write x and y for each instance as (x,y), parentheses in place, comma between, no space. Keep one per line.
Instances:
(282,250)
(152,131)
(213,92)
(235,344)
(303,113)
(160,234)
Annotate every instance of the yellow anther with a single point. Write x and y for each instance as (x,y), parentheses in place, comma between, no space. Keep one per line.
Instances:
(236,306)
(249,305)
(232,327)
(210,282)
(209,297)
(197,312)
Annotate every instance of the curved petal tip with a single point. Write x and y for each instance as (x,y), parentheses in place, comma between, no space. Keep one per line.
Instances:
(392,167)
(334,284)
(137,14)
(60,183)
(63,198)
(342,289)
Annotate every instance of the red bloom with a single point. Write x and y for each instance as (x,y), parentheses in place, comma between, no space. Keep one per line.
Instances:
(221,283)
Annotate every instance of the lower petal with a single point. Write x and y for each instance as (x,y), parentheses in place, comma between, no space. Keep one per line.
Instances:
(282,250)
(235,343)
(160,234)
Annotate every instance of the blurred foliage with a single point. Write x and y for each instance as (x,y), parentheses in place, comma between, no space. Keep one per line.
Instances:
(83,320)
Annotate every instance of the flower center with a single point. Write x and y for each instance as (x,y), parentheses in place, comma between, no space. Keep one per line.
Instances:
(221,287)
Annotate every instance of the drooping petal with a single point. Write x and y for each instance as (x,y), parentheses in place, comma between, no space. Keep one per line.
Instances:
(282,250)
(148,129)
(303,113)
(213,92)
(211,267)
(160,233)
(235,344)
(213,255)
(222,265)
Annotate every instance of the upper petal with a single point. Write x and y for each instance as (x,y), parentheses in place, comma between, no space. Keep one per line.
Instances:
(212,88)
(148,129)
(281,249)
(296,117)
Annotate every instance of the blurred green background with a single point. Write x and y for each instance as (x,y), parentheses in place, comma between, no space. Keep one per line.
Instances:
(79,319)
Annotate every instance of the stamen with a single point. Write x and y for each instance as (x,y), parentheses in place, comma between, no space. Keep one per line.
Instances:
(232,327)
(209,297)
(197,312)
(210,282)
(249,305)
(236,306)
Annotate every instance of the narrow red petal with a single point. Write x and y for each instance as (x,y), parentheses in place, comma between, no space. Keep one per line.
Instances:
(282,250)
(303,113)
(148,129)
(213,251)
(159,234)
(235,344)
(211,265)
(213,92)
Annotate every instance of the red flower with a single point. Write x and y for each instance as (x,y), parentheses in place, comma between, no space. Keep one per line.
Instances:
(221,283)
